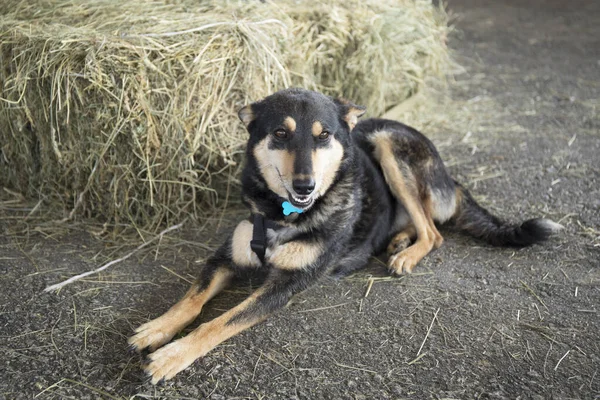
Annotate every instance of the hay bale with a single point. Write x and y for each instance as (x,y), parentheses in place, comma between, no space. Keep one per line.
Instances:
(126,110)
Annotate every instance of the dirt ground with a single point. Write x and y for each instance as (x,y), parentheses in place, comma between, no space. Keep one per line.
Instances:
(472,322)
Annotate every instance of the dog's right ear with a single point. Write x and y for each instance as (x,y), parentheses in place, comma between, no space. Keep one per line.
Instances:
(246,114)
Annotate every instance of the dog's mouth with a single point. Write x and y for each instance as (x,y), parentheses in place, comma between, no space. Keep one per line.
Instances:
(302,202)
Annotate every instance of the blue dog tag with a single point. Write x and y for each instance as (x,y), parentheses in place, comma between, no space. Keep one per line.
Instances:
(288,208)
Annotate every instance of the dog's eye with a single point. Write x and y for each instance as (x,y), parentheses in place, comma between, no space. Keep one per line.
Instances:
(281,134)
(324,135)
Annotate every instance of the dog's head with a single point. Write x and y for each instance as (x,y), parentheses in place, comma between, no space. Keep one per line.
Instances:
(298,139)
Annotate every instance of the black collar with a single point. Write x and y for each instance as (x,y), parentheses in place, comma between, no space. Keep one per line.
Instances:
(258,244)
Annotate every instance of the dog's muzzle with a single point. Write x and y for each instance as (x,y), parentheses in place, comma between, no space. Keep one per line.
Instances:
(301,196)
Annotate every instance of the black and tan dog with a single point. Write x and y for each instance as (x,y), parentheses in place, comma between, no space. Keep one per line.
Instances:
(325,194)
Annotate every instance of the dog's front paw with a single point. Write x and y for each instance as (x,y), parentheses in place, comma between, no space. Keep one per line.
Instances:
(166,362)
(403,262)
(151,335)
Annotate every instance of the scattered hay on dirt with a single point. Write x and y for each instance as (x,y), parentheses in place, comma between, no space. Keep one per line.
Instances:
(125,111)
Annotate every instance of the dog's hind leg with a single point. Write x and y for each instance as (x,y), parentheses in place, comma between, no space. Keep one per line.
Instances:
(429,211)
(405,188)
(404,238)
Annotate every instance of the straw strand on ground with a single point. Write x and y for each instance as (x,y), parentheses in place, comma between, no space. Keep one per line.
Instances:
(428,330)
(75,278)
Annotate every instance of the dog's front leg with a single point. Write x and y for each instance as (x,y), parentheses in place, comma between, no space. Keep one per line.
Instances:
(159,331)
(234,254)
(279,287)
(214,276)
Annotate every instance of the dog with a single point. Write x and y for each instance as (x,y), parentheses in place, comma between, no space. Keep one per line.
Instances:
(325,193)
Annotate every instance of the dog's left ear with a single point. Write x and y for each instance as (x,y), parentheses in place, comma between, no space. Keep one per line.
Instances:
(246,114)
(349,111)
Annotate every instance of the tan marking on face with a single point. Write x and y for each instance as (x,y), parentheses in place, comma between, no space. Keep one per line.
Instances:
(241,252)
(175,357)
(317,128)
(159,331)
(326,162)
(290,124)
(272,164)
(295,255)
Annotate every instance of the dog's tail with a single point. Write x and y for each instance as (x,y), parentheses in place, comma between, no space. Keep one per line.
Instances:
(475,220)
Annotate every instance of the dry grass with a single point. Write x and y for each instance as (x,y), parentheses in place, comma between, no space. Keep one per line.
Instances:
(126,111)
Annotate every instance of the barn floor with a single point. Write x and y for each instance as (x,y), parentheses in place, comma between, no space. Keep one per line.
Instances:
(472,322)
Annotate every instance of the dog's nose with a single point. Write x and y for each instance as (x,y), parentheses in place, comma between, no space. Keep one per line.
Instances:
(303,186)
